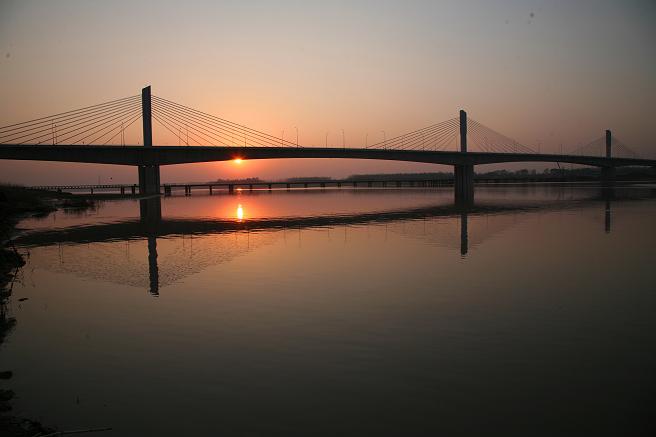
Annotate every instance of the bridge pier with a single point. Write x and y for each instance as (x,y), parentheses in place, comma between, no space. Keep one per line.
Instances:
(463,174)
(607,176)
(463,183)
(148,174)
(149,179)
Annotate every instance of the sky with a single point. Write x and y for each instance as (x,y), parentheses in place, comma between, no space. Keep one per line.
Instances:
(542,72)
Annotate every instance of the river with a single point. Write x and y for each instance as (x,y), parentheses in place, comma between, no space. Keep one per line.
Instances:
(342,312)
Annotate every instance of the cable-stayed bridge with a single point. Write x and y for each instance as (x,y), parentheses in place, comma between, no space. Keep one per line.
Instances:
(91,135)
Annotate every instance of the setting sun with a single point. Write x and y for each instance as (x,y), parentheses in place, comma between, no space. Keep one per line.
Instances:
(237,160)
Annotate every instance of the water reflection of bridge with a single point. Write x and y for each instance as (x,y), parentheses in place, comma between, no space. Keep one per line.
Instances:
(435,225)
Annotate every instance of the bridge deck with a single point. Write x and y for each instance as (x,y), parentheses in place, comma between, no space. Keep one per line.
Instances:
(170,155)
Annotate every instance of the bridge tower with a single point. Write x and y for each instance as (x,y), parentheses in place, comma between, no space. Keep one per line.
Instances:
(148,174)
(608,172)
(463,173)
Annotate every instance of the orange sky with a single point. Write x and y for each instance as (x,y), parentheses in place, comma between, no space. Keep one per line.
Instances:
(541,72)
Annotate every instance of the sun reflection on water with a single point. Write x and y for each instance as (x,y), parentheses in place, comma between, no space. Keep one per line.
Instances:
(240,212)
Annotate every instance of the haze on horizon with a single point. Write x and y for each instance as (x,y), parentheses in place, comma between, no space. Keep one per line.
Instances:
(542,72)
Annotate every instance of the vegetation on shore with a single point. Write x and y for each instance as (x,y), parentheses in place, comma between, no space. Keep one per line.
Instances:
(582,173)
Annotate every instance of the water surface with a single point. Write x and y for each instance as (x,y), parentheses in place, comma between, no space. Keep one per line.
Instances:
(342,312)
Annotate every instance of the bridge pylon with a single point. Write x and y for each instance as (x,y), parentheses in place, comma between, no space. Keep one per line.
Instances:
(149,181)
(463,174)
(608,172)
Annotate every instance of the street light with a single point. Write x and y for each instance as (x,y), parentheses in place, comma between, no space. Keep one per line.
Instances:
(296,135)
(326,140)
(384,139)
(343,139)
(282,138)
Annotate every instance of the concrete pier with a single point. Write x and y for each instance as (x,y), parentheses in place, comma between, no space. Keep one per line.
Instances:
(463,183)
(608,173)
(148,174)
(149,179)
(463,174)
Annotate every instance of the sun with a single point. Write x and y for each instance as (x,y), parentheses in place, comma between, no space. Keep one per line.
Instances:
(237,161)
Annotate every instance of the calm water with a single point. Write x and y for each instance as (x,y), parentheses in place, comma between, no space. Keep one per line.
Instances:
(367,312)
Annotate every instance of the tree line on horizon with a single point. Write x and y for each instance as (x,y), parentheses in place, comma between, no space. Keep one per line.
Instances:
(546,174)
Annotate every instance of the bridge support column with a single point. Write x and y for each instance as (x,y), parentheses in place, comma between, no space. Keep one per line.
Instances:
(148,179)
(607,176)
(463,183)
(148,174)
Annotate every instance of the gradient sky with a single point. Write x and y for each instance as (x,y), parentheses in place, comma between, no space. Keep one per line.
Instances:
(547,72)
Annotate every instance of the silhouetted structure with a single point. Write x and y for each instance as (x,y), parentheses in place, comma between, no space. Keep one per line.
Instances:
(27,141)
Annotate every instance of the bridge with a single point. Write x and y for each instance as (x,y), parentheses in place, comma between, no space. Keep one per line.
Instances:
(84,135)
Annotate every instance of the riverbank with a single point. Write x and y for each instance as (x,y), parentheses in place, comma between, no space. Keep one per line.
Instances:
(16,203)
